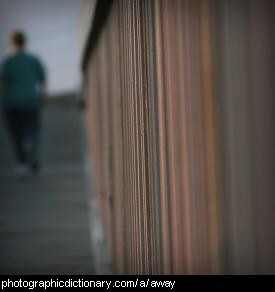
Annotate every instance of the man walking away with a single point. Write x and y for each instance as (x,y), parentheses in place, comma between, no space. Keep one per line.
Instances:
(23,85)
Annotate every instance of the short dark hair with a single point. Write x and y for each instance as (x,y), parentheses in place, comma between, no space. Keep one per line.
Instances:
(19,39)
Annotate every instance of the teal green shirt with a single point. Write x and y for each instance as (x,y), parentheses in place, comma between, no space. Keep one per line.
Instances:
(21,74)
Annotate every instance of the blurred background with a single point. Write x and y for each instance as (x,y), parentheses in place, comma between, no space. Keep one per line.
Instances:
(157,147)
(52,29)
(44,221)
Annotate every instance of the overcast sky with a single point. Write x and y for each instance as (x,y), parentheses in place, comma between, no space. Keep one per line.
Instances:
(52,28)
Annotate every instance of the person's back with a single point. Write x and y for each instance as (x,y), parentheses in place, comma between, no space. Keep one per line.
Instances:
(21,75)
(22,79)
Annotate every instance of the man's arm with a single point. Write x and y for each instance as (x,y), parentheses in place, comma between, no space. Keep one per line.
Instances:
(41,74)
(3,75)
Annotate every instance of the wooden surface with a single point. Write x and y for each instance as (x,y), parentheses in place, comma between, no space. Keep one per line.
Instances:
(171,118)
(44,222)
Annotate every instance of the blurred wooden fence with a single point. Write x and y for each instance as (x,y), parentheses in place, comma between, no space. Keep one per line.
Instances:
(175,102)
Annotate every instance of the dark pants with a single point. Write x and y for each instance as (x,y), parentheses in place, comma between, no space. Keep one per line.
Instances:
(24,128)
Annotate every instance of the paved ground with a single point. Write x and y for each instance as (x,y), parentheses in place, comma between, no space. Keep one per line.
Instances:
(44,225)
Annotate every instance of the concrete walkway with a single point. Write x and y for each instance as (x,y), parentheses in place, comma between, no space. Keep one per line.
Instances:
(44,224)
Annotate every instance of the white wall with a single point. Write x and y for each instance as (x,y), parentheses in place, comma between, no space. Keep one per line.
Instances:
(52,27)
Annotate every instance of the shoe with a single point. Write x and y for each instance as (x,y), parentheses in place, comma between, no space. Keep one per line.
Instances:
(22,170)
